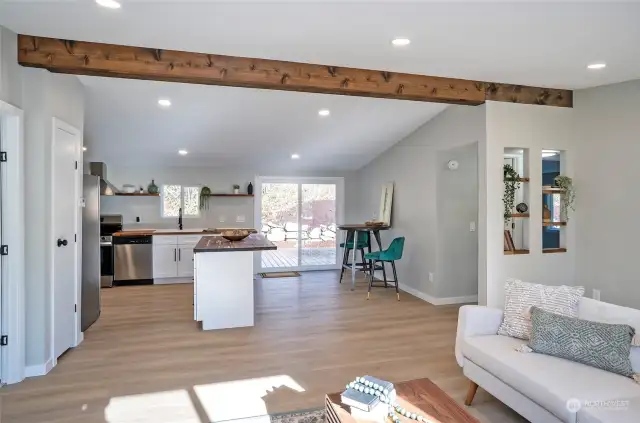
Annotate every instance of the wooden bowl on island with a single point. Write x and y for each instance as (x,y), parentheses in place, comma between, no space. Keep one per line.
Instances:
(235,235)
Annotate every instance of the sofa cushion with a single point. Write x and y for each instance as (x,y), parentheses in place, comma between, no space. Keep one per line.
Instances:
(603,345)
(548,381)
(520,296)
(599,311)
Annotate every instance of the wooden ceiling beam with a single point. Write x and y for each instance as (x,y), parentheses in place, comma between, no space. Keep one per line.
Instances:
(110,60)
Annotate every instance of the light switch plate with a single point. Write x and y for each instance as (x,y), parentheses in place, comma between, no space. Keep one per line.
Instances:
(240,219)
(430,276)
(472,227)
(596,294)
(222,219)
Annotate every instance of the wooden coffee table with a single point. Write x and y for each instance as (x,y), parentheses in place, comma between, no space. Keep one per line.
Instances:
(420,396)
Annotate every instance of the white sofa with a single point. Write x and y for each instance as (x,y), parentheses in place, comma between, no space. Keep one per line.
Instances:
(538,386)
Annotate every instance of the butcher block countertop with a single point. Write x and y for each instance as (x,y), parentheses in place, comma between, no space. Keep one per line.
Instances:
(254,242)
(176,231)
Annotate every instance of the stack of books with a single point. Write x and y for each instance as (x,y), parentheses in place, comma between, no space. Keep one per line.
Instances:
(368,406)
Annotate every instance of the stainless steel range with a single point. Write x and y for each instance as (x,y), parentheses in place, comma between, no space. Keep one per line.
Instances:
(109,224)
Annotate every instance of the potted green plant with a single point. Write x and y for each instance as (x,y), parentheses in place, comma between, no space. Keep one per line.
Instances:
(511,185)
(205,192)
(236,189)
(569,195)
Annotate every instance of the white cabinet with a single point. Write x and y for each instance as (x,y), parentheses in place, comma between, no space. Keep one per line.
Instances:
(165,261)
(185,261)
(173,257)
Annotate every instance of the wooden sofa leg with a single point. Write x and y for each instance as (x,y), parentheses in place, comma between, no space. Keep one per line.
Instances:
(471,392)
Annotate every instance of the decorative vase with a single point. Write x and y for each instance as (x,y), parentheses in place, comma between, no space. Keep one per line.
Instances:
(250,188)
(236,190)
(152,188)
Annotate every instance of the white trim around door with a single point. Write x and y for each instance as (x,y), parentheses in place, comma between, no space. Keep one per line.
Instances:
(339,215)
(78,336)
(13,355)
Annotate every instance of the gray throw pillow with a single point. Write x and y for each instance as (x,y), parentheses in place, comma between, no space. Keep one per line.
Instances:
(602,345)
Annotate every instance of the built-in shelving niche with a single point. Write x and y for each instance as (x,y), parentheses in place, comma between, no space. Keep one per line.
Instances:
(553,223)
(516,236)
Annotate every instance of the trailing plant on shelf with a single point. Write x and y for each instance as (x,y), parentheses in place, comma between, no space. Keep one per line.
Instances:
(567,200)
(511,184)
(205,192)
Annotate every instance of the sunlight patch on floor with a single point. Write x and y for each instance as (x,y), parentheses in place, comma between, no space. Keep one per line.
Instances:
(241,399)
(157,407)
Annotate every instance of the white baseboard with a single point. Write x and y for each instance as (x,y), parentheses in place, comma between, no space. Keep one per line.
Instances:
(438,301)
(38,369)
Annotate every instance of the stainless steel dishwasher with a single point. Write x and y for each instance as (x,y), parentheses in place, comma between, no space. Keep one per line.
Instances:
(133,259)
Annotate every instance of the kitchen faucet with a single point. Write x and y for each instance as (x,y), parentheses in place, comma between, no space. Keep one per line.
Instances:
(180,218)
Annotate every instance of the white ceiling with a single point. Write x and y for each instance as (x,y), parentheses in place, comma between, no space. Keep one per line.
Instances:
(225,126)
(534,43)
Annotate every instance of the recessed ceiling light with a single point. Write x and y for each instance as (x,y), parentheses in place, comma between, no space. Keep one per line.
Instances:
(295,156)
(597,66)
(324,112)
(183,152)
(111,4)
(400,42)
(84,148)
(164,102)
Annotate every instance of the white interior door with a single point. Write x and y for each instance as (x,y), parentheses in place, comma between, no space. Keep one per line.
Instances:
(64,203)
(300,216)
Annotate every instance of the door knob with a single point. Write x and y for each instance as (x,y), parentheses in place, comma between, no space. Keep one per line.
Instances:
(62,242)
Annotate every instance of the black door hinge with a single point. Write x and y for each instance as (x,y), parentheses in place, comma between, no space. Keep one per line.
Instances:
(4,340)
(75,308)
(4,250)
(76,164)
(75,237)
(3,156)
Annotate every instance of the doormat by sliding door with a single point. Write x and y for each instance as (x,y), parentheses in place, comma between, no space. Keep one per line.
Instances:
(279,275)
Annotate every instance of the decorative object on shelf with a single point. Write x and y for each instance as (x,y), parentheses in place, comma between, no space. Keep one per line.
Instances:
(128,188)
(508,241)
(205,192)
(141,190)
(236,189)
(153,188)
(566,184)
(250,189)
(235,235)
(511,184)
(522,208)
(546,213)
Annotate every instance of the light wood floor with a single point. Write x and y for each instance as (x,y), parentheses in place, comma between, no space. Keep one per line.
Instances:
(147,361)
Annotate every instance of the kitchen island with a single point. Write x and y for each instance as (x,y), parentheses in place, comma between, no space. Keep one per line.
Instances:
(223,281)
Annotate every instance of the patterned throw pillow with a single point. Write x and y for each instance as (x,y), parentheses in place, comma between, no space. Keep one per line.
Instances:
(602,345)
(520,296)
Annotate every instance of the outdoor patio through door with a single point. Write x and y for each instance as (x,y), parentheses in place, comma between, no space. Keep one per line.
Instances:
(299,215)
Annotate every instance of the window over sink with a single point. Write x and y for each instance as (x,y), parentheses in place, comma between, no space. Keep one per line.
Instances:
(175,197)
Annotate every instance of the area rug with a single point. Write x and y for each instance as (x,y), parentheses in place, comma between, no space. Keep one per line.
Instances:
(279,275)
(304,416)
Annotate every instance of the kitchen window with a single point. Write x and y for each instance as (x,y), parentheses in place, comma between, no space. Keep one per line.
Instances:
(175,197)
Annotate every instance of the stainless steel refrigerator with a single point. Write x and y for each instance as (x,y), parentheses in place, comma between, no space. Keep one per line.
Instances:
(90,306)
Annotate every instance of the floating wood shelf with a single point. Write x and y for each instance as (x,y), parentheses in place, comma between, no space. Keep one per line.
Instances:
(231,195)
(549,190)
(553,250)
(515,252)
(554,223)
(519,179)
(520,215)
(136,194)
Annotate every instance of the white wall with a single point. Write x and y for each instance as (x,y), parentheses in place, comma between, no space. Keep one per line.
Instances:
(217,179)
(413,166)
(536,128)
(10,71)
(607,192)
(457,208)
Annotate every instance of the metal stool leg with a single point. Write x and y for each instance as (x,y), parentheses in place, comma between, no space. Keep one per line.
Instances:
(395,276)
(345,256)
(384,274)
(372,264)
(364,261)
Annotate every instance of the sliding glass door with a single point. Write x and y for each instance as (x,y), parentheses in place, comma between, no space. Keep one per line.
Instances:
(299,215)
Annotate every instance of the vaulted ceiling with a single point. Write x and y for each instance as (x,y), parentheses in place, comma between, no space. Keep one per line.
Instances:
(543,44)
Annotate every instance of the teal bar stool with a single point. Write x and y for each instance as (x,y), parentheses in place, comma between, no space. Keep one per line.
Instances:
(390,255)
(363,242)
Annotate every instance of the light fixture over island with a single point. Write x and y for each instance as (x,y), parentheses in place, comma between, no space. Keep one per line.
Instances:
(223,281)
